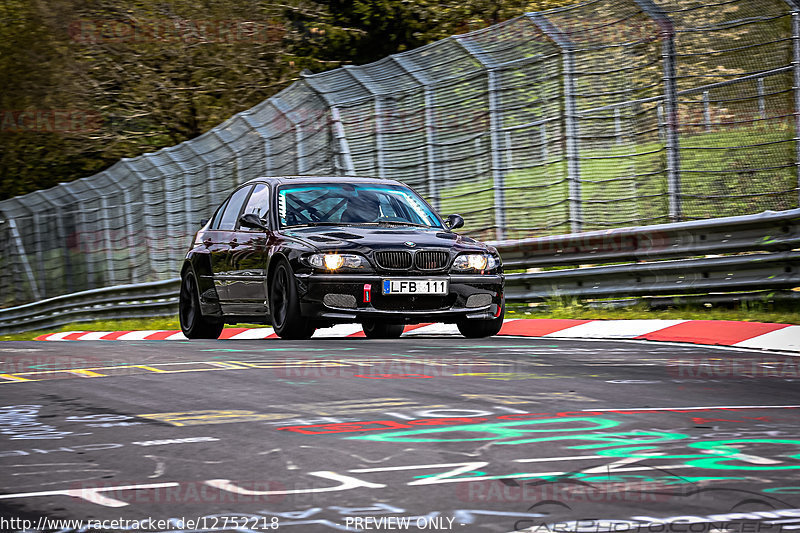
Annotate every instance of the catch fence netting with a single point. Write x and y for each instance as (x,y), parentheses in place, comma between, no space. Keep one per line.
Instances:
(604,114)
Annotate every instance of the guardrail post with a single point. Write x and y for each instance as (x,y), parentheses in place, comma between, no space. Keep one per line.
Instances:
(495,127)
(571,116)
(667,30)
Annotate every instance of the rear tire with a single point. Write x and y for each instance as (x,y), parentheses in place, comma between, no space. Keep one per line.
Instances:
(284,305)
(476,329)
(193,324)
(379,330)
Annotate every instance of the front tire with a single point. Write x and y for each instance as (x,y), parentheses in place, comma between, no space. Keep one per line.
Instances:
(193,324)
(477,329)
(379,330)
(284,305)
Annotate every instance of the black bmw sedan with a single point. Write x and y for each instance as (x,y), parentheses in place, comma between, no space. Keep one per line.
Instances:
(305,252)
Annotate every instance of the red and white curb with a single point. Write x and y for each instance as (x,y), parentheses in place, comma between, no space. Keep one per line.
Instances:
(757,335)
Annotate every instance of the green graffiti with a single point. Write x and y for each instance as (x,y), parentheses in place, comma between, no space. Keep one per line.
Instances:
(728,453)
(723,454)
(471,473)
(608,439)
(501,430)
(783,490)
(712,455)
(652,451)
(663,480)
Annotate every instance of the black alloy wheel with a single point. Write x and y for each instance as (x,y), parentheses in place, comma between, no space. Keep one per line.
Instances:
(284,305)
(193,324)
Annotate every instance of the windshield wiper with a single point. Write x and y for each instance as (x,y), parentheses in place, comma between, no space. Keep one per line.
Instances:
(319,224)
(397,223)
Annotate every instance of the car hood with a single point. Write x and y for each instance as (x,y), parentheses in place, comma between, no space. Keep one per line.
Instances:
(381,237)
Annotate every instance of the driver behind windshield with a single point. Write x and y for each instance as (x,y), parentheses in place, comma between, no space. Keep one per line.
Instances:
(361,208)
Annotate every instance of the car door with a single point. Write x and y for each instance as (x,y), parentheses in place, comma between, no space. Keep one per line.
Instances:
(248,258)
(221,239)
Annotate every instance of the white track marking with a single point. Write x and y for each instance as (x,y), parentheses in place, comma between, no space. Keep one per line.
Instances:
(136,335)
(60,336)
(614,329)
(255,333)
(434,329)
(94,335)
(339,330)
(781,339)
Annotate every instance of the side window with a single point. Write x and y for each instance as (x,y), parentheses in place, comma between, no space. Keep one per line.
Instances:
(218,216)
(258,202)
(231,214)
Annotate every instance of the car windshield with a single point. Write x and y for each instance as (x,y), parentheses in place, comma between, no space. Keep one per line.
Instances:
(350,203)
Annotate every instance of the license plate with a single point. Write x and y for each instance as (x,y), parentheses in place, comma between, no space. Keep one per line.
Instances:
(415,286)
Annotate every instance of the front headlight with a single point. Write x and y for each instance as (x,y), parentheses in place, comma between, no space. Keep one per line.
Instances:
(475,263)
(338,261)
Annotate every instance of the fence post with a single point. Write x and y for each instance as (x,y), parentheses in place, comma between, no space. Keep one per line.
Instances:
(61,237)
(667,31)
(618,125)
(187,192)
(570,118)
(707,110)
(37,247)
(24,258)
(430,128)
(129,223)
(281,108)
(106,231)
(358,76)
(147,214)
(796,69)
(495,127)
(344,161)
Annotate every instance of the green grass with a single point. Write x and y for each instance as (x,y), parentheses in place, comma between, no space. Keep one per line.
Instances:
(625,184)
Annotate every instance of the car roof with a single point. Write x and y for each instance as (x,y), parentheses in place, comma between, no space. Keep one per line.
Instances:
(312,179)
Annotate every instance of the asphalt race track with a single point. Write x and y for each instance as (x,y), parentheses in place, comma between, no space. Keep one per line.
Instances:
(420,434)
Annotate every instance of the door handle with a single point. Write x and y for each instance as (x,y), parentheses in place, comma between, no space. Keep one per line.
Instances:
(207,242)
(234,243)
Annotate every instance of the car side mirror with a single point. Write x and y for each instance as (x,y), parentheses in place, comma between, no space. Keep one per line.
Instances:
(454,221)
(251,220)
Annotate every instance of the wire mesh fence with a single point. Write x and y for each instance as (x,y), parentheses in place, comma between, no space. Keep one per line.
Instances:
(604,114)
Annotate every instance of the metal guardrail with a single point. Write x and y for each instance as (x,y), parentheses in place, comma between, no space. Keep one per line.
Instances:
(141,300)
(667,259)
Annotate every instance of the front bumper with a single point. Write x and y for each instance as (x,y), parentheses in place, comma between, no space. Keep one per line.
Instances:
(406,309)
